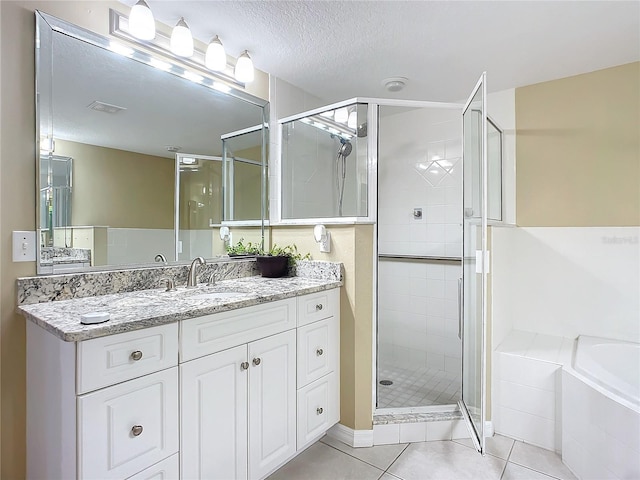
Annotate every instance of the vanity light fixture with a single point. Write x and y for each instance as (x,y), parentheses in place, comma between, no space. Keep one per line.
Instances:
(181,39)
(215,58)
(244,68)
(342,115)
(352,122)
(141,22)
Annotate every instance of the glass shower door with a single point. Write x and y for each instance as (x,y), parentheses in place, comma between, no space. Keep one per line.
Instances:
(473,285)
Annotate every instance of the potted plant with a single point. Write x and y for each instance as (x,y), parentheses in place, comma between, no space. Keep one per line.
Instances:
(241,249)
(275,262)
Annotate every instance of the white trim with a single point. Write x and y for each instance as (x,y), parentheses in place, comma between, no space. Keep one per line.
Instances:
(324,221)
(488,429)
(351,437)
(237,133)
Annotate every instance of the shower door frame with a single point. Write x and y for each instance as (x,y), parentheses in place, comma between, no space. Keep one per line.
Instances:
(387,102)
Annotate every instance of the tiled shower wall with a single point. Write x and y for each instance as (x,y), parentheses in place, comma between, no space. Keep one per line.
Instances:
(420,166)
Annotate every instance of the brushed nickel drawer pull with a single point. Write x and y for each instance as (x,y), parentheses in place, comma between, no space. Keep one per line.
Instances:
(319,352)
(319,306)
(256,361)
(137,355)
(244,365)
(319,410)
(136,430)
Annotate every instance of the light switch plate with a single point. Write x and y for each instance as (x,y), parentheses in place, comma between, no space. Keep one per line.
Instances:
(24,246)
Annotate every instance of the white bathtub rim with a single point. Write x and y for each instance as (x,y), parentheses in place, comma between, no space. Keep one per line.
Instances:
(602,389)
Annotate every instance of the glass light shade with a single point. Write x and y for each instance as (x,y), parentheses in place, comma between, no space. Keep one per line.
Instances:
(181,39)
(353,120)
(141,22)
(342,115)
(244,68)
(216,58)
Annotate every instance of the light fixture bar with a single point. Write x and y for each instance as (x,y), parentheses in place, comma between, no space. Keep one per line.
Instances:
(119,27)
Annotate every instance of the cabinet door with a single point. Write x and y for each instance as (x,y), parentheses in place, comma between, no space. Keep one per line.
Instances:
(214,416)
(318,409)
(272,402)
(128,427)
(318,350)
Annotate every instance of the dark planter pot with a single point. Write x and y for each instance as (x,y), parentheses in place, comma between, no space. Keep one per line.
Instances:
(273,266)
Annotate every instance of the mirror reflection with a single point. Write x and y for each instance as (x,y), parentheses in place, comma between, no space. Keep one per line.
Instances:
(118,126)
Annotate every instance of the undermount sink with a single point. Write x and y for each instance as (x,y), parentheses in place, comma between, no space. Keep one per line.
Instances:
(217,295)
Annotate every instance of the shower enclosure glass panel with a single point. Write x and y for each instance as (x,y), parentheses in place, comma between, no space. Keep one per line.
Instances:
(324,164)
(419,250)
(199,205)
(474,268)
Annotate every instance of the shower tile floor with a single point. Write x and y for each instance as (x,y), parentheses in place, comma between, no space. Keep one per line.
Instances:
(417,387)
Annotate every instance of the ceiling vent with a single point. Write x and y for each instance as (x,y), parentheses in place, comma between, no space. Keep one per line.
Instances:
(105,107)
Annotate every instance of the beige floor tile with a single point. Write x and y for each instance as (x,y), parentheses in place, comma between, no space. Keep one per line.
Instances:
(322,462)
(380,456)
(445,461)
(540,460)
(498,445)
(516,472)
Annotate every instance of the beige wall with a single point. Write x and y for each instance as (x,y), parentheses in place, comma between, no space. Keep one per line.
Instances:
(353,246)
(119,189)
(17,192)
(578,150)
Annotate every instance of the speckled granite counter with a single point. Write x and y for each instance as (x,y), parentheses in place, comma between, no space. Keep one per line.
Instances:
(147,308)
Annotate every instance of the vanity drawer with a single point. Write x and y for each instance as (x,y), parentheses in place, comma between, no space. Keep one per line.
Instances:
(167,469)
(318,350)
(128,427)
(113,359)
(318,409)
(317,306)
(212,333)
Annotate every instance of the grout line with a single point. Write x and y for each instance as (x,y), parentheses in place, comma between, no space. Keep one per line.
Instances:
(537,471)
(396,459)
(353,456)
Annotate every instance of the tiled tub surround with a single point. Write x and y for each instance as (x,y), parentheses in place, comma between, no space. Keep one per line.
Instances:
(133,310)
(601,427)
(526,370)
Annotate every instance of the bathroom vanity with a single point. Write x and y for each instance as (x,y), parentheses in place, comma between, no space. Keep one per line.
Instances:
(224,382)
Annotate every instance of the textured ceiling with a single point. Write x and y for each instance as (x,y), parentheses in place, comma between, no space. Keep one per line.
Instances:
(341,49)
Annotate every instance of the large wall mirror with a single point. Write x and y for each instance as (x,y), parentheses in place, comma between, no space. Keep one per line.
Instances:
(131,163)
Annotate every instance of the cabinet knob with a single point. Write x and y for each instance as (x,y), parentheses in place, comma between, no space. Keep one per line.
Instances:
(137,355)
(319,410)
(319,306)
(256,361)
(136,430)
(319,352)
(244,365)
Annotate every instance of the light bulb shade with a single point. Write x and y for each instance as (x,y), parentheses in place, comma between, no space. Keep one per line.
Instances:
(181,39)
(244,68)
(216,58)
(342,115)
(141,22)
(353,120)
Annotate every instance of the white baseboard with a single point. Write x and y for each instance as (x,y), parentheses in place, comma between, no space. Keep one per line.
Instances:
(351,437)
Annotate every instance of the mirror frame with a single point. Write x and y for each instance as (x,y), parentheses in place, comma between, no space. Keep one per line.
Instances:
(46,25)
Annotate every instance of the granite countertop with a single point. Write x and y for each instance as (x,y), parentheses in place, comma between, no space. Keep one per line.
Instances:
(147,308)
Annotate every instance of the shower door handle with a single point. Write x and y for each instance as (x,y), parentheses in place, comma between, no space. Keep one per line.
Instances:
(460,308)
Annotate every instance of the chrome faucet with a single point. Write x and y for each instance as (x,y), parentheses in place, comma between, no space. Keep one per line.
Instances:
(192,281)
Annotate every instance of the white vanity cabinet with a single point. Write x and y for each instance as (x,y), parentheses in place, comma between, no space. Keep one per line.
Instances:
(232,395)
(238,410)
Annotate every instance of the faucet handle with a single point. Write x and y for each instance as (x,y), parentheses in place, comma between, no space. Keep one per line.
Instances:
(212,279)
(171,286)
(160,258)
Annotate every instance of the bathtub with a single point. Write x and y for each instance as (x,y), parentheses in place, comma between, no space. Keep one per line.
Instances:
(601,409)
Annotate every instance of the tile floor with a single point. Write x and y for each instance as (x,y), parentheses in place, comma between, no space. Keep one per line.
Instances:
(506,459)
(416,388)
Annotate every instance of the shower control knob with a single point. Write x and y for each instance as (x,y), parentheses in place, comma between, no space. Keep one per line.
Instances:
(319,307)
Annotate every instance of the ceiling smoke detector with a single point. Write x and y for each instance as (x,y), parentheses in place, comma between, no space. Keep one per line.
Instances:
(394,84)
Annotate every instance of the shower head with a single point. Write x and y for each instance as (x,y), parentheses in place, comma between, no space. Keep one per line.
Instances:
(345,148)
